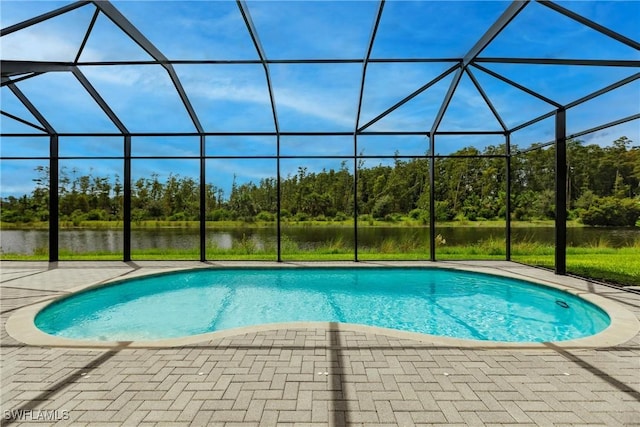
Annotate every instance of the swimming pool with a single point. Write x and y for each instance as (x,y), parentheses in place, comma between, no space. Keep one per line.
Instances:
(433,301)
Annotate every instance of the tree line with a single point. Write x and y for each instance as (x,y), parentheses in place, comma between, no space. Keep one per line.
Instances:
(603,189)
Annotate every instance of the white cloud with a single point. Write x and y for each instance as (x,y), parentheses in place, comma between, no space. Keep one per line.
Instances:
(31,46)
(335,109)
(150,78)
(229,91)
(605,137)
(294,92)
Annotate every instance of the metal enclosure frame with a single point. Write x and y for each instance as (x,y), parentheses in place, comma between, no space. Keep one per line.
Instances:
(15,71)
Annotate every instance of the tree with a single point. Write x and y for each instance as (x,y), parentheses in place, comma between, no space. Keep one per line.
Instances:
(469,184)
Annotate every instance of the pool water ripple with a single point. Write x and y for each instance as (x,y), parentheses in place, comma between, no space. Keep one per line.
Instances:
(425,300)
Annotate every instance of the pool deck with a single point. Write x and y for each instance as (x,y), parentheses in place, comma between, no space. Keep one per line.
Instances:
(308,374)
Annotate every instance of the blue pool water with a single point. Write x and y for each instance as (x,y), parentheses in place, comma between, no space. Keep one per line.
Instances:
(431,301)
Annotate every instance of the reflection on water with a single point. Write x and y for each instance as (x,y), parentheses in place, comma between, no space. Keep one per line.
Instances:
(306,238)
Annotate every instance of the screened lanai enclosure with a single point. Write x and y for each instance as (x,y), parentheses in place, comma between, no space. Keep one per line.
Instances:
(330,130)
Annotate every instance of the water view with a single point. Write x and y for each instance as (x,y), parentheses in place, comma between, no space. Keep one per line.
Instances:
(306,238)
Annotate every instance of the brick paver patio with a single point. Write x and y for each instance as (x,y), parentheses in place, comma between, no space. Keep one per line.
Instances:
(326,375)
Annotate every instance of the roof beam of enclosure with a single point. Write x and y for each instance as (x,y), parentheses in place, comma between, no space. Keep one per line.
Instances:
(603,90)
(536,146)
(99,100)
(253,33)
(503,20)
(507,16)
(271,61)
(10,68)
(582,133)
(591,24)
(29,106)
(365,63)
(605,126)
(409,98)
(129,29)
(579,101)
(556,61)
(246,16)
(447,99)
(36,20)
(517,85)
(23,121)
(532,121)
(19,79)
(486,99)
(574,135)
(94,18)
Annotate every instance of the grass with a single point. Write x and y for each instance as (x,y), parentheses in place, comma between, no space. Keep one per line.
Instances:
(597,261)
(621,266)
(403,222)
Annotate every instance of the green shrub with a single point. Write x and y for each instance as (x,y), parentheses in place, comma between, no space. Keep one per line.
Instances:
(340,216)
(521,214)
(470,212)
(218,215)
(178,216)
(301,216)
(266,216)
(443,213)
(97,215)
(415,214)
(612,211)
(284,213)
(77,217)
(13,216)
(382,207)
(138,215)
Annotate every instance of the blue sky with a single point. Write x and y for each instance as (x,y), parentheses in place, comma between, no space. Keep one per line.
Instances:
(309,97)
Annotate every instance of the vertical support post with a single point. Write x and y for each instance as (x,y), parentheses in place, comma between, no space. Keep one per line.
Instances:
(507,141)
(278,201)
(54,179)
(561,195)
(203,201)
(126,208)
(355,197)
(432,198)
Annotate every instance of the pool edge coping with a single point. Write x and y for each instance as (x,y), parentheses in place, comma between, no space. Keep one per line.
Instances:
(624,324)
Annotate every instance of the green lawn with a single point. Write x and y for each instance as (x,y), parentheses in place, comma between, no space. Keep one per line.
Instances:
(621,266)
(600,262)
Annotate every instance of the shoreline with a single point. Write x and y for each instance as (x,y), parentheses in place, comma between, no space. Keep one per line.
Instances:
(364,223)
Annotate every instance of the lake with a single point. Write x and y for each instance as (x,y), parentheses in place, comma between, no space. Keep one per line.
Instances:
(306,237)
